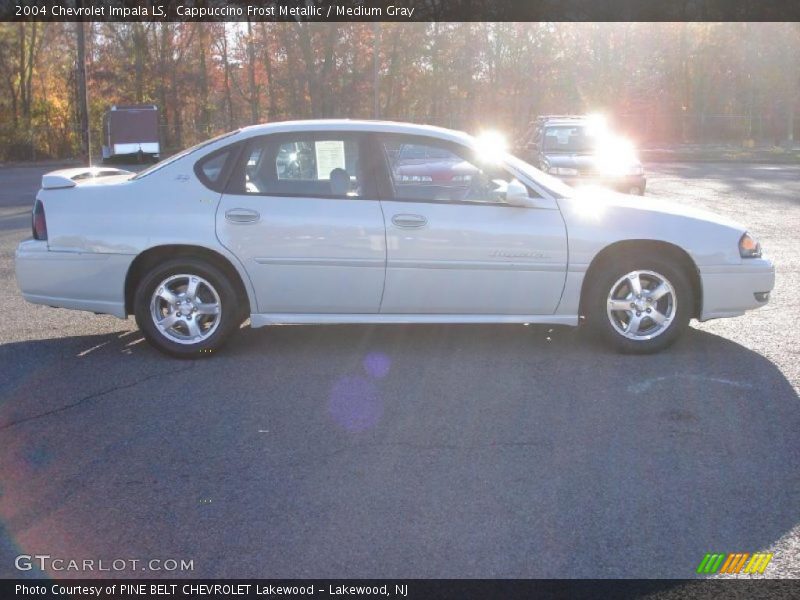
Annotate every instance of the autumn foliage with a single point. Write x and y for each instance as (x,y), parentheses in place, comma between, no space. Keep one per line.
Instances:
(664,83)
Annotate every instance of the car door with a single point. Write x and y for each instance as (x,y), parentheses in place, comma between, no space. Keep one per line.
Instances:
(303,217)
(454,246)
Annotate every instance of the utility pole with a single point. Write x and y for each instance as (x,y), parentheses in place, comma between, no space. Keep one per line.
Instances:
(82,97)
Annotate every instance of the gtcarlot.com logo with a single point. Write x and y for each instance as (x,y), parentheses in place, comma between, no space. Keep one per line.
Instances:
(45,562)
(734,563)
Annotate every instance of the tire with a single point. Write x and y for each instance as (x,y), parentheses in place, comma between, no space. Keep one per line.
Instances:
(666,292)
(202,322)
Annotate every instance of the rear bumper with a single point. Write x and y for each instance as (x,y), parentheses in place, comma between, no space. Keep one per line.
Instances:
(730,290)
(76,280)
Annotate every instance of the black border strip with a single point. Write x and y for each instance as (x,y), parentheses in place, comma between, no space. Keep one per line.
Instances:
(412,589)
(402,11)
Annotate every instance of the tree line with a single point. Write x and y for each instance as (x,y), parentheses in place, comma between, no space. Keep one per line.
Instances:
(660,82)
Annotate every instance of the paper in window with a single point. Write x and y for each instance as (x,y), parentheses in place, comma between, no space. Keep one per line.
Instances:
(330,156)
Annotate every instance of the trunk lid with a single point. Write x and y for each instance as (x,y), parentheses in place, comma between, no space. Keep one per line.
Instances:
(67,178)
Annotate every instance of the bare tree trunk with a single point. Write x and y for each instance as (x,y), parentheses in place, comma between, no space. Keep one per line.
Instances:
(251,72)
(307,51)
(273,108)
(27,53)
(298,105)
(315,81)
(205,118)
(178,113)
(82,96)
(139,49)
(392,75)
(164,46)
(227,80)
(12,92)
(376,106)
(435,85)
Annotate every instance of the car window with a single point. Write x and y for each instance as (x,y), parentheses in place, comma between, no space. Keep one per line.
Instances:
(327,166)
(212,169)
(212,166)
(572,138)
(432,172)
(550,183)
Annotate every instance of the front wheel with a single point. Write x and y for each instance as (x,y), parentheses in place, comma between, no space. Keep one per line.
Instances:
(186,308)
(635,190)
(639,305)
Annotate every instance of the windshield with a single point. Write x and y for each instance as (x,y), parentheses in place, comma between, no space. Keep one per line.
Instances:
(179,155)
(553,184)
(569,138)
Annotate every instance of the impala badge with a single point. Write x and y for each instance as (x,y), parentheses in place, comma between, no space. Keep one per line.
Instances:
(517,254)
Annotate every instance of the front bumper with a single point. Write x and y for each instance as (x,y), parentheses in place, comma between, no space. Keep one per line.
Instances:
(730,290)
(76,280)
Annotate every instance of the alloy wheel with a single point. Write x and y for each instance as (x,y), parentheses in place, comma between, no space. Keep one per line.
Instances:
(185,308)
(642,305)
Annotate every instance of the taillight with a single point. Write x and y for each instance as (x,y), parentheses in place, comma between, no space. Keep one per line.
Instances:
(39,221)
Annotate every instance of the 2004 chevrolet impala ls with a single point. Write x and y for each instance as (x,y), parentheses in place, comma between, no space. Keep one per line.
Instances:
(343,221)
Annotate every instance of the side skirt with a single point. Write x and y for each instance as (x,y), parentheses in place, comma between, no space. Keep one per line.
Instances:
(264,319)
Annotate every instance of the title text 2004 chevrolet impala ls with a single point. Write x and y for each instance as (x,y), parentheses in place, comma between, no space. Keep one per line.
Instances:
(368,222)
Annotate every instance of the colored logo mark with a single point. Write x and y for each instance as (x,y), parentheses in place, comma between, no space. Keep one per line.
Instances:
(738,562)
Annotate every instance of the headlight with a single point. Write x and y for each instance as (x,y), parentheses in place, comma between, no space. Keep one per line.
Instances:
(562,171)
(749,247)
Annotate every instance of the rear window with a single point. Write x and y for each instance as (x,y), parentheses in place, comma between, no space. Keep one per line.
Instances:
(211,170)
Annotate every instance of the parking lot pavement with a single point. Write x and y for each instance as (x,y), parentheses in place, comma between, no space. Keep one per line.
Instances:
(409,451)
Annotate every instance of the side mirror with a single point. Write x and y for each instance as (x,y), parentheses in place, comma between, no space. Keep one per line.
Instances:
(517,195)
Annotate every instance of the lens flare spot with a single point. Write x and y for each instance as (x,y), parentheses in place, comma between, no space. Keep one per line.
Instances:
(355,404)
(377,364)
(491,147)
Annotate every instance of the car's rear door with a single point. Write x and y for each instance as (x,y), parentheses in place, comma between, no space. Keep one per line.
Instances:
(302,214)
(455,246)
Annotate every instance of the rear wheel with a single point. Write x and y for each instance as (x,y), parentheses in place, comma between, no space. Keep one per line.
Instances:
(186,308)
(639,304)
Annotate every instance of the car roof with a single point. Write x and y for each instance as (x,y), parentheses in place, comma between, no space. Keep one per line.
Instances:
(356,125)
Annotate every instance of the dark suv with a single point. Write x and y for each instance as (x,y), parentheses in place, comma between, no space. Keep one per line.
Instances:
(581,150)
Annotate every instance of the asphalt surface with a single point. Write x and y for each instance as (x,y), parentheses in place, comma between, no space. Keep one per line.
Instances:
(409,451)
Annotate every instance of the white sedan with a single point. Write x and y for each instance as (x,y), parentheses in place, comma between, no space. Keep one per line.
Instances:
(338,221)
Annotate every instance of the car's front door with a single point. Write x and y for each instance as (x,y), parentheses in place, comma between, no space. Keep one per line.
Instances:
(302,215)
(454,246)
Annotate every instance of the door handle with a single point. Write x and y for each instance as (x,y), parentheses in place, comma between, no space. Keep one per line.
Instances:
(404,220)
(242,215)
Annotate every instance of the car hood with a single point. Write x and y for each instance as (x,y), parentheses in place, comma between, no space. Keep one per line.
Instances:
(596,200)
